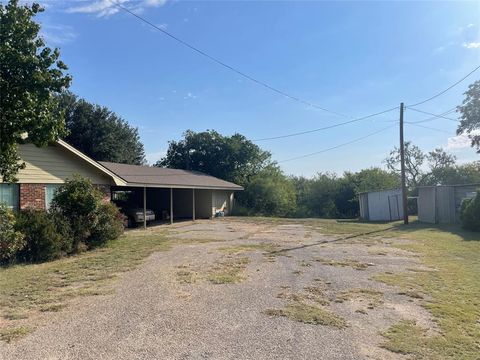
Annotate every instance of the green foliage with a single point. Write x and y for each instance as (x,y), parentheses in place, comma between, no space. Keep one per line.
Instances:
(109,225)
(11,240)
(99,132)
(47,236)
(470,213)
(269,193)
(30,75)
(468,173)
(470,115)
(372,179)
(442,168)
(80,203)
(325,195)
(232,158)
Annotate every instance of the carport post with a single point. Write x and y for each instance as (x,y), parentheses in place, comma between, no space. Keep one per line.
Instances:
(193,204)
(171,205)
(144,207)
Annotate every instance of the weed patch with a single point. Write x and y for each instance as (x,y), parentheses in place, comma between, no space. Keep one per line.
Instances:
(11,334)
(228,271)
(344,263)
(308,314)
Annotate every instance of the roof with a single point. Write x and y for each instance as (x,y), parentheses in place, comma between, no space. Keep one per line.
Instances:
(378,191)
(137,175)
(453,185)
(116,179)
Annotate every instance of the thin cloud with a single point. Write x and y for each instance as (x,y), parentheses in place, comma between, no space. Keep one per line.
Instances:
(58,34)
(190,96)
(472,45)
(461,141)
(106,8)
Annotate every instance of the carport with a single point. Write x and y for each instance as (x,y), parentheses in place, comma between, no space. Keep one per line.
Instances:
(175,194)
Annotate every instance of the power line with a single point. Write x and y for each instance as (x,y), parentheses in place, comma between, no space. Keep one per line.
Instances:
(434,115)
(325,127)
(338,146)
(444,91)
(428,127)
(231,68)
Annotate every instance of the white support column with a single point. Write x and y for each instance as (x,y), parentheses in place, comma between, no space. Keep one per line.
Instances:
(193,204)
(171,205)
(144,207)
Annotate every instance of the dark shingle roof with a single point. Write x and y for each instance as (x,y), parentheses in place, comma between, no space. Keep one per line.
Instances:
(164,177)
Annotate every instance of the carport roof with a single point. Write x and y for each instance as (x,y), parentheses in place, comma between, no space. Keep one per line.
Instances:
(151,176)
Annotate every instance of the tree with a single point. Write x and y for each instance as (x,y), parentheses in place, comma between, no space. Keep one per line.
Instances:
(470,115)
(268,193)
(414,159)
(373,179)
(437,160)
(232,158)
(30,75)
(468,173)
(99,132)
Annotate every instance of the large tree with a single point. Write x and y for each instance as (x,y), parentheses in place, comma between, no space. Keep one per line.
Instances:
(470,115)
(99,132)
(233,158)
(30,76)
(415,170)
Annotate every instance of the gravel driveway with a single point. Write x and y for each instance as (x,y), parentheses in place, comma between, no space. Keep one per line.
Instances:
(221,295)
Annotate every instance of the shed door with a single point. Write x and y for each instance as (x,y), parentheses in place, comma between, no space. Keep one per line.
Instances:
(394,206)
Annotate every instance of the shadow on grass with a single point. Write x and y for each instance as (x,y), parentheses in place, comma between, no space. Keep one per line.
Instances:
(453,229)
(278,252)
(396,227)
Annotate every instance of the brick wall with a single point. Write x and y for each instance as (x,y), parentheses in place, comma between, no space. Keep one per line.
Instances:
(32,196)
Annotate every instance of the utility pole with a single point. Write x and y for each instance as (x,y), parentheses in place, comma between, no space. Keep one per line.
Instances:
(402,167)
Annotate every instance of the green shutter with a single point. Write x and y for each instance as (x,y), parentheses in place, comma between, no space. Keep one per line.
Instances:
(9,195)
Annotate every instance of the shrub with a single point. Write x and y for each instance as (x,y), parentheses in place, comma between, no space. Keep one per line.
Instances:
(78,201)
(11,240)
(109,225)
(92,222)
(46,235)
(470,213)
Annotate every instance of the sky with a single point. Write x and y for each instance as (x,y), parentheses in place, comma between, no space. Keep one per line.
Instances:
(354,58)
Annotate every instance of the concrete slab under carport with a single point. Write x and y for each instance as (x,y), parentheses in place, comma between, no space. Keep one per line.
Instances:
(171,204)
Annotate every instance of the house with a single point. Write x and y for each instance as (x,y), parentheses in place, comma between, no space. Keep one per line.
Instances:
(441,204)
(385,205)
(177,193)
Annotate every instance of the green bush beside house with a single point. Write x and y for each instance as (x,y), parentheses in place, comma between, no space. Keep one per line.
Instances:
(77,220)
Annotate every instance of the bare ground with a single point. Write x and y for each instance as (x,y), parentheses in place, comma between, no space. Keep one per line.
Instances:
(217,299)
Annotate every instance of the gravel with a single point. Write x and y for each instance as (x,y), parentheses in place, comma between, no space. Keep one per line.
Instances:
(153,315)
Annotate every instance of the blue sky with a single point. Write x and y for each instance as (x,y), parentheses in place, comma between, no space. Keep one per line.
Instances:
(355,58)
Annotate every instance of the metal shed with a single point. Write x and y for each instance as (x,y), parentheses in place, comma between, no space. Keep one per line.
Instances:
(385,205)
(441,204)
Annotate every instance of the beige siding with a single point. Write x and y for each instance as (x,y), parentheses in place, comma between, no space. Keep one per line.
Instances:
(53,164)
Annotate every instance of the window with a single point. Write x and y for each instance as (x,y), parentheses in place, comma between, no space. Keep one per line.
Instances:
(9,195)
(49,194)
